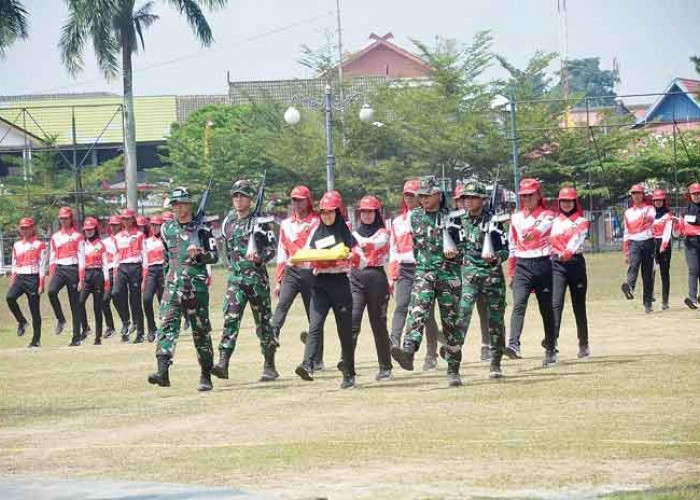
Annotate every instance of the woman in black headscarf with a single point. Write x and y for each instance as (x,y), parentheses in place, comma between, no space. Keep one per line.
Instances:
(331,288)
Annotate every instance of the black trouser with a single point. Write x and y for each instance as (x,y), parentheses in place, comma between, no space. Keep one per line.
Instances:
(571,274)
(94,285)
(155,283)
(106,301)
(692,259)
(26,284)
(641,253)
(127,292)
(295,281)
(532,274)
(370,288)
(663,259)
(331,291)
(402,293)
(66,276)
(482,307)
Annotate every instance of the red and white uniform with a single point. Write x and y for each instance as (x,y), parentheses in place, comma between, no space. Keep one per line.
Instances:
(638,222)
(568,235)
(130,247)
(375,248)
(685,228)
(66,249)
(294,234)
(400,244)
(154,252)
(29,257)
(95,258)
(662,228)
(529,235)
(110,249)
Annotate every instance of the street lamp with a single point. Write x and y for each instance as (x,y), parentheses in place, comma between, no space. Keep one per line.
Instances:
(292,116)
(509,104)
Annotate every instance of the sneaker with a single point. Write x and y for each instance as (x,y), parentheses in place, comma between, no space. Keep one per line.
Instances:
(430,363)
(485,353)
(97,342)
(139,339)
(59,327)
(665,306)
(319,366)
(383,375)
(304,372)
(495,370)
(348,382)
(403,358)
(551,358)
(628,291)
(151,336)
(583,352)
(692,304)
(74,343)
(454,380)
(125,338)
(303,336)
(648,309)
(33,343)
(125,329)
(109,333)
(21,328)
(86,333)
(513,352)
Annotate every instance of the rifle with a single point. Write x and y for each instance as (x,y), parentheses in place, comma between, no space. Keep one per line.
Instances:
(198,219)
(489,225)
(255,225)
(447,221)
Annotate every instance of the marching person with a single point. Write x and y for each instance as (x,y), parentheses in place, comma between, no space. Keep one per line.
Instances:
(188,249)
(662,229)
(689,228)
(248,281)
(66,261)
(482,305)
(638,246)
(94,278)
(153,275)
(530,268)
(295,279)
(115,225)
(369,286)
(402,274)
(437,278)
(568,235)
(482,275)
(28,274)
(331,288)
(128,275)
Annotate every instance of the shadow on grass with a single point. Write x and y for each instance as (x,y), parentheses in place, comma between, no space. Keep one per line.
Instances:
(684,492)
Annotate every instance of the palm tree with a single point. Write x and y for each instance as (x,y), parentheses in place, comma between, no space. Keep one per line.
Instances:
(13,23)
(115,27)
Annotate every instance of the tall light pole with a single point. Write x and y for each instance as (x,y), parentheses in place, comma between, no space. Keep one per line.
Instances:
(292,116)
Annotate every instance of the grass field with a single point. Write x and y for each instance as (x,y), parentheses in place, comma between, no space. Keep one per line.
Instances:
(626,420)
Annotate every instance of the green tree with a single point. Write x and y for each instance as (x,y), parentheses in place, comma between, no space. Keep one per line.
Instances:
(13,23)
(585,76)
(115,27)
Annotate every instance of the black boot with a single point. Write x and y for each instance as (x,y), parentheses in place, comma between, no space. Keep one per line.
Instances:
(75,342)
(453,377)
(551,358)
(495,369)
(161,377)
(21,328)
(305,371)
(348,381)
(205,379)
(404,357)
(220,370)
(269,371)
(139,338)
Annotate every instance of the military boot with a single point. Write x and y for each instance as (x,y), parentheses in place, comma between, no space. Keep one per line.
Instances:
(404,357)
(161,376)
(495,369)
(269,371)
(205,378)
(220,370)
(453,377)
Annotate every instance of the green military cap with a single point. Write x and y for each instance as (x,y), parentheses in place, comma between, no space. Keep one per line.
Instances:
(181,195)
(428,185)
(473,188)
(244,187)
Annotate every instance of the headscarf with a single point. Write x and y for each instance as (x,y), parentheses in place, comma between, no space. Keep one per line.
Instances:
(332,200)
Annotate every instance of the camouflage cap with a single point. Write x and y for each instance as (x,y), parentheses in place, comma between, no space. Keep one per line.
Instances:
(244,187)
(473,188)
(181,195)
(428,185)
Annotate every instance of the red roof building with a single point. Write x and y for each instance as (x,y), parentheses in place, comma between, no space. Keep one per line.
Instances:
(384,58)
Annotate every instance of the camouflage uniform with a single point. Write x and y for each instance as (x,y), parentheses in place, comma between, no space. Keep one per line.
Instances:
(482,277)
(247,281)
(186,292)
(437,278)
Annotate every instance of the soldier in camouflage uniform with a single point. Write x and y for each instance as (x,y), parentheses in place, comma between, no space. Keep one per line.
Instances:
(437,277)
(188,250)
(481,276)
(247,280)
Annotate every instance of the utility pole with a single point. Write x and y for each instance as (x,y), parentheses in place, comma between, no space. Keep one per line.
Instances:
(516,167)
(330,158)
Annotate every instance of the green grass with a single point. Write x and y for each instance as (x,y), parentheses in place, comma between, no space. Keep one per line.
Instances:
(626,420)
